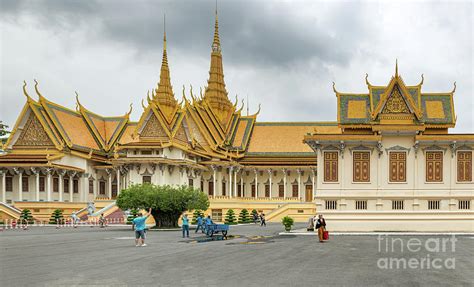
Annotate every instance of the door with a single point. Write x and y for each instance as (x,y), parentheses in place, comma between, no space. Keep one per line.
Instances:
(253,190)
(267,190)
(309,193)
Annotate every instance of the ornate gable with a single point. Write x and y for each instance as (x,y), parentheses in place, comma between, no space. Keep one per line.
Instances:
(153,128)
(395,103)
(33,134)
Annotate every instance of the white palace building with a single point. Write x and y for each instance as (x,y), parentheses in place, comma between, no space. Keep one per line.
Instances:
(387,163)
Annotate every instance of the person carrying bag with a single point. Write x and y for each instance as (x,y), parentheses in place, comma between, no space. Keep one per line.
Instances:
(321,227)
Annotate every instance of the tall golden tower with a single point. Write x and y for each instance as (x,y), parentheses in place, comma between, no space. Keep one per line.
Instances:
(216,94)
(163,94)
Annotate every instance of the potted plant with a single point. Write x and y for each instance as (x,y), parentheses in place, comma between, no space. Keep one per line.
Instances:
(287,222)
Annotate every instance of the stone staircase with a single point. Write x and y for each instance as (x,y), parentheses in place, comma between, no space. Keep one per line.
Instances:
(9,212)
(299,211)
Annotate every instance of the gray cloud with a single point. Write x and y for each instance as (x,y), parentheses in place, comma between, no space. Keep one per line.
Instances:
(282,54)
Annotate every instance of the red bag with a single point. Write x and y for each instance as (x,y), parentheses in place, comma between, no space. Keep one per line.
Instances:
(326,235)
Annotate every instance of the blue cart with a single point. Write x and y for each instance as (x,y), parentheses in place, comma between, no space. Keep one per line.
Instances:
(212,229)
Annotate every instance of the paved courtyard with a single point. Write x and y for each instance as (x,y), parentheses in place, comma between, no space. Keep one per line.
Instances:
(254,257)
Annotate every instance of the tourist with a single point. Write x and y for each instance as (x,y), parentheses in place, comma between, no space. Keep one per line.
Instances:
(208,221)
(262,220)
(102,220)
(255,218)
(185,225)
(199,222)
(321,227)
(311,222)
(140,225)
(75,219)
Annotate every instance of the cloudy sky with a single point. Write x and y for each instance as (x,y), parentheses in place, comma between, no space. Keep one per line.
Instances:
(282,54)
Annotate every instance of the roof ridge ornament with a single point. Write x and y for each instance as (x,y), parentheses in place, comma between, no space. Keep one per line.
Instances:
(422,80)
(37,90)
(454,89)
(367,79)
(334,88)
(78,103)
(129,111)
(25,92)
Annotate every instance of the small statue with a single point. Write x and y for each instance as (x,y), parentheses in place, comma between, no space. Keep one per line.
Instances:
(90,208)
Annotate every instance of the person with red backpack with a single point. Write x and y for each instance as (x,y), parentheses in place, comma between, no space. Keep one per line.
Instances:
(321,227)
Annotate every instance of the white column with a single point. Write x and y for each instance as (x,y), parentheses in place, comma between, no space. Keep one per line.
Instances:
(61,185)
(230,181)
(71,188)
(235,182)
(256,183)
(20,186)
(242,184)
(48,185)
(37,187)
(284,183)
(85,187)
(96,186)
(270,175)
(214,179)
(109,185)
(319,167)
(313,181)
(4,187)
(118,181)
(299,183)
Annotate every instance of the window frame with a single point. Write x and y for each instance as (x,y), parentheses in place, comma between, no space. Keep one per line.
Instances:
(434,171)
(361,160)
(336,180)
(457,167)
(390,167)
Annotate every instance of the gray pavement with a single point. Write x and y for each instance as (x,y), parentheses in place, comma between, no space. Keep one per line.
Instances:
(254,257)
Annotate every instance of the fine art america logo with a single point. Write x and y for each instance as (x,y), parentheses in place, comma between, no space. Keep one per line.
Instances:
(416,253)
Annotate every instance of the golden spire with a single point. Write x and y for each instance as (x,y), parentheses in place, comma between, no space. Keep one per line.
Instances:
(164,92)
(216,93)
(396,67)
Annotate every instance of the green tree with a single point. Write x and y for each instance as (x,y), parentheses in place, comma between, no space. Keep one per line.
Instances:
(3,132)
(167,202)
(26,216)
(132,215)
(230,217)
(196,213)
(57,215)
(244,216)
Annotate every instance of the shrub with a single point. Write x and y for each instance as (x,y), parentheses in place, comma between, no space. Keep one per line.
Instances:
(244,216)
(196,213)
(230,217)
(57,215)
(254,212)
(287,222)
(26,216)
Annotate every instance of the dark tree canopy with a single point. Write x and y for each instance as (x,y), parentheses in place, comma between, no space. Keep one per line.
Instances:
(167,202)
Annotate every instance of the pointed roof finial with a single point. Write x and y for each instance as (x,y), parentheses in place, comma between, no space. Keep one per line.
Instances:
(216,45)
(164,31)
(396,67)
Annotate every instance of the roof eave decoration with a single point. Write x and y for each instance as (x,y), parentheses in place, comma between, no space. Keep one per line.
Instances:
(31,105)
